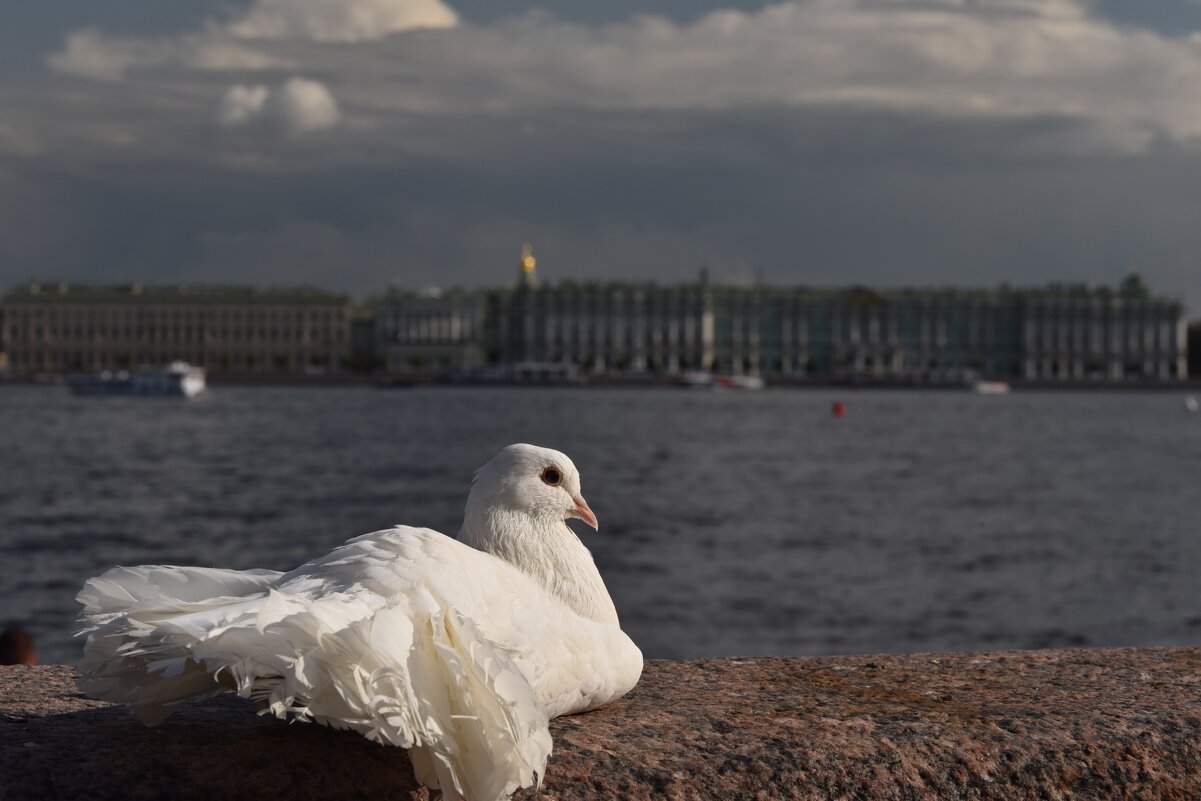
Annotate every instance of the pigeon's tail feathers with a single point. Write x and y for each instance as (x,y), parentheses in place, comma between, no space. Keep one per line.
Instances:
(142,624)
(414,673)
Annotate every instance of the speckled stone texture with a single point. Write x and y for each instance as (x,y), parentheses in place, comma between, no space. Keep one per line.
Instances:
(1077,724)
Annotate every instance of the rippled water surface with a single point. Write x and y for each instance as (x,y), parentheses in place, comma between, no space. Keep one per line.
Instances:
(731,523)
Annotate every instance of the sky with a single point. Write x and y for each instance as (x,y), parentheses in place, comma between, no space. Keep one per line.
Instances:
(357,144)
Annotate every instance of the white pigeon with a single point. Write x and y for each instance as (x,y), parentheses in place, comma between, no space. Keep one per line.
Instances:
(458,650)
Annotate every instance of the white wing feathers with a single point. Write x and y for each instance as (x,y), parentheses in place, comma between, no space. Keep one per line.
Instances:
(381,636)
(121,588)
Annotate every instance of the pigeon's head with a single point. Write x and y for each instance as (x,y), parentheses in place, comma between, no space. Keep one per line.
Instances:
(528,480)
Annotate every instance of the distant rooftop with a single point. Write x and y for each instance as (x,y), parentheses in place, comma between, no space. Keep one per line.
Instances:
(1132,288)
(63,292)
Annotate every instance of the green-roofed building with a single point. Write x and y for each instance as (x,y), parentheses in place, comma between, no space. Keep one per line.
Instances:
(1056,333)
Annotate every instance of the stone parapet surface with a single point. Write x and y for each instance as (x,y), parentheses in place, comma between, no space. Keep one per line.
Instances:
(1049,725)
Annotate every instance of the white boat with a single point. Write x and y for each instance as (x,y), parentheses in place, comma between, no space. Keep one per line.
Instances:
(738,382)
(699,379)
(990,387)
(177,379)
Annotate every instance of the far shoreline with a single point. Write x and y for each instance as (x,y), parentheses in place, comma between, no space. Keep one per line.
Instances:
(400,382)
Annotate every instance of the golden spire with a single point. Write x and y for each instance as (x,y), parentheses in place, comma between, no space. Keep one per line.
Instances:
(528,265)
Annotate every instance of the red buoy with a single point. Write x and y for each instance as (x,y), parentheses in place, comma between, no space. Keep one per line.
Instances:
(838,409)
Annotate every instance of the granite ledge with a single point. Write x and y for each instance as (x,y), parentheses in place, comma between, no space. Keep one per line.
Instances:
(1048,725)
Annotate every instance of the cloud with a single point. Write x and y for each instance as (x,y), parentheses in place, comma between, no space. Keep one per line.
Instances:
(1124,90)
(299,106)
(221,46)
(215,54)
(91,54)
(305,106)
(1003,59)
(340,20)
(88,54)
(242,104)
(999,59)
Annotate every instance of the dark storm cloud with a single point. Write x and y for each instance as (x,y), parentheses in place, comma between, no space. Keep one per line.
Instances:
(922,142)
(805,197)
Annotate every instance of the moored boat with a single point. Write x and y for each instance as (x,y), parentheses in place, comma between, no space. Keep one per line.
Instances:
(990,387)
(699,379)
(177,379)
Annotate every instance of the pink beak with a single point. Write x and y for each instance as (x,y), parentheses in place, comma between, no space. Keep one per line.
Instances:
(583,512)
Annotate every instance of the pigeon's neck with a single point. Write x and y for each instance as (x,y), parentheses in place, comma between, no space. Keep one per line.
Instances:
(548,552)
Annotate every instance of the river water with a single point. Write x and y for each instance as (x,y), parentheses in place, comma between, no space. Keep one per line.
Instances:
(731,523)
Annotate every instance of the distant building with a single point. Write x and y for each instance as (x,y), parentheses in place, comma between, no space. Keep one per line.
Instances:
(1049,334)
(429,332)
(1056,333)
(603,327)
(600,327)
(1194,350)
(363,356)
(1069,334)
(61,328)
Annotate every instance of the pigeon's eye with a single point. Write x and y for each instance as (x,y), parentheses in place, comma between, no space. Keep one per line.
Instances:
(552,476)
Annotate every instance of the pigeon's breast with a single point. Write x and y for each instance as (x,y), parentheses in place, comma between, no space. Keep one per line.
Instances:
(592,665)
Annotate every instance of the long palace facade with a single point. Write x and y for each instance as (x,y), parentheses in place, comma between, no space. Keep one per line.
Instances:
(1057,333)
(1048,334)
